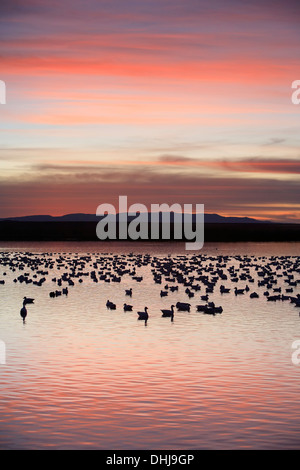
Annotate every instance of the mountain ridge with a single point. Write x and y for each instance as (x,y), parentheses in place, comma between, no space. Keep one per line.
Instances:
(83,217)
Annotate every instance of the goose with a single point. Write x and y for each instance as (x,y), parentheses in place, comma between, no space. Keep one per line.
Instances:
(28,300)
(201,308)
(273,298)
(173,288)
(111,305)
(183,306)
(168,313)
(209,311)
(218,309)
(23,312)
(285,297)
(143,315)
(254,295)
(224,290)
(127,308)
(238,291)
(128,292)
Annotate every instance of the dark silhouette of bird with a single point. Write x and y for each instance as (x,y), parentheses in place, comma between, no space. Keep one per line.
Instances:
(183,306)
(238,291)
(127,308)
(110,305)
(168,313)
(143,315)
(23,313)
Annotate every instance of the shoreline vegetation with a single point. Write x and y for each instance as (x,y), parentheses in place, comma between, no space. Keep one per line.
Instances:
(12,230)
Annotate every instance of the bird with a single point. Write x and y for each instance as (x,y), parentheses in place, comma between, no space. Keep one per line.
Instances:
(238,291)
(28,300)
(209,309)
(224,290)
(23,313)
(254,295)
(128,292)
(168,313)
(127,308)
(143,315)
(183,306)
(111,305)
(201,308)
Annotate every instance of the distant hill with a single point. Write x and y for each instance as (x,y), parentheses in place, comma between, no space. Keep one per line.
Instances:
(82,227)
(81,217)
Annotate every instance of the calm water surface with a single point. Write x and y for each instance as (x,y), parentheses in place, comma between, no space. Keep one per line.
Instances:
(79,376)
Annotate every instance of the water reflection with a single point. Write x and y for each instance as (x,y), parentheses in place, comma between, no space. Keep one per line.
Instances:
(81,375)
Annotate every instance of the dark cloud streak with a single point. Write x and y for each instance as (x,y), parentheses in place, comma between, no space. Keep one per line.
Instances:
(83,192)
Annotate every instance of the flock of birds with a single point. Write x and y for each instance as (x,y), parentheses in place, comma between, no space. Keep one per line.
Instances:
(198,276)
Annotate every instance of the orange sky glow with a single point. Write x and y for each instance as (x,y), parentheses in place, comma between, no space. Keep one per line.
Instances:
(175,102)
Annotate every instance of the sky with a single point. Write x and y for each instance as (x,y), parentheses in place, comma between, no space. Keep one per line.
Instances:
(161,101)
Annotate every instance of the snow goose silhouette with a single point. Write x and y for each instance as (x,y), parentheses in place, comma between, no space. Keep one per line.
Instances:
(143,315)
(168,313)
(224,290)
(127,308)
(238,291)
(183,306)
(110,305)
(23,313)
